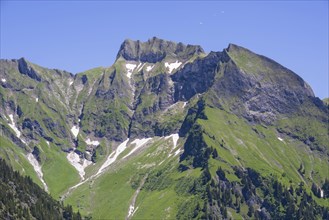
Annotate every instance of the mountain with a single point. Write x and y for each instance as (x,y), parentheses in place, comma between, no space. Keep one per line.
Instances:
(170,131)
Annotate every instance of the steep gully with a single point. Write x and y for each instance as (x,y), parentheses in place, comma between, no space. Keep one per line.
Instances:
(132,209)
(30,157)
(122,147)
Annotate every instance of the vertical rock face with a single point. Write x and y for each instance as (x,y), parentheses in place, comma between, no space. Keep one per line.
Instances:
(262,88)
(155,50)
(196,77)
(24,68)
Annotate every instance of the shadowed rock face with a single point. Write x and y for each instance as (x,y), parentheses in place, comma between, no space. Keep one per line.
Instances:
(24,68)
(155,50)
(262,88)
(196,77)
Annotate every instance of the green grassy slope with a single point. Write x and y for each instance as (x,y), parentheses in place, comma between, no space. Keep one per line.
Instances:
(166,192)
(256,132)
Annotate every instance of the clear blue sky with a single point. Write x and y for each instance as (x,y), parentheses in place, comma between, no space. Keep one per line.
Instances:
(80,35)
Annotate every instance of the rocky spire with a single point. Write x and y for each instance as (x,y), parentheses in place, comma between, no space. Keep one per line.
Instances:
(155,50)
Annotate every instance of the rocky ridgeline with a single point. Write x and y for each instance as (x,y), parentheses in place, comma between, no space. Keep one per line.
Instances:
(132,97)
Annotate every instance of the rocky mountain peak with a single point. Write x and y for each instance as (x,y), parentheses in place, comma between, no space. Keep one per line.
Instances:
(235,50)
(155,50)
(26,69)
(231,47)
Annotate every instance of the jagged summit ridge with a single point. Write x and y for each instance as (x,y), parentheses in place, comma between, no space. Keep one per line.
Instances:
(155,50)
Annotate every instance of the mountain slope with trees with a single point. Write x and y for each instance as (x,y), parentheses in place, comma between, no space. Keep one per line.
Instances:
(21,198)
(170,131)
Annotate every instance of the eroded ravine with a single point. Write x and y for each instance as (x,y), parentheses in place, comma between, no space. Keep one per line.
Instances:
(132,209)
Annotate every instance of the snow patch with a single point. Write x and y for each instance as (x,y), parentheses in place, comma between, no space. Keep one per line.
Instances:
(175,138)
(149,68)
(161,162)
(131,210)
(184,104)
(139,143)
(13,126)
(37,99)
(135,211)
(130,68)
(37,169)
(71,82)
(47,143)
(78,163)
(140,66)
(321,193)
(113,156)
(5,118)
(90,142)
(280,139)
(75,131)
(11,118)
(173,66)
(3,80)
(177,152)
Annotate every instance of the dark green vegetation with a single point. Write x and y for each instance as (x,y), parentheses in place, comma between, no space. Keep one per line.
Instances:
(253,138)
(21,198)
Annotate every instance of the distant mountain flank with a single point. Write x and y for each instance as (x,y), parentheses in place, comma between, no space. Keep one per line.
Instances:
(169,131)
(326,101)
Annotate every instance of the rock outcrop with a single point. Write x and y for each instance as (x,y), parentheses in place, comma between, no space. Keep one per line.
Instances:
(155,50)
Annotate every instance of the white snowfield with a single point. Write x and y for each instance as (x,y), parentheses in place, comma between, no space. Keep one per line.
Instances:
(130,68)
(280,139)
(140,66)
(37,99)
(75,161)
(111,159)
(175,138)
(177,152)
(37,169)
(139,143)
(13,126)
(113,156)
(3,80)
(184,104)
(71,82)
(90,142)
(131,210)
(78,163)
(149,68)
(5,118)
(75,131)
(173,66)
